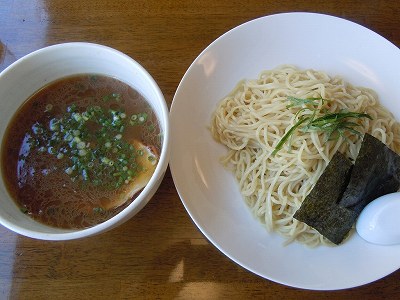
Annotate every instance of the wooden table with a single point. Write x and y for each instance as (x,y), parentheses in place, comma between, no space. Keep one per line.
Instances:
(158,254)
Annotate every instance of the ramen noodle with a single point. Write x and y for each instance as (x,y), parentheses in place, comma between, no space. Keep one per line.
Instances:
(254,117)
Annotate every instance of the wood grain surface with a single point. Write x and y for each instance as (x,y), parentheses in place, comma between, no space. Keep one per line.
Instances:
(158,254)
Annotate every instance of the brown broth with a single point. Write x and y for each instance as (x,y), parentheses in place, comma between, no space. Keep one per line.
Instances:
(37,181)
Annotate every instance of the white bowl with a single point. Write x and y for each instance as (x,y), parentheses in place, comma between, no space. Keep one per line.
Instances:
(24,77)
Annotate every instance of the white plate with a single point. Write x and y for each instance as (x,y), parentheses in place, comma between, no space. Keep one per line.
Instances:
(210,193)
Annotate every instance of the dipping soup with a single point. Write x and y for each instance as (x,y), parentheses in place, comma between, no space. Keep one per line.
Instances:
(78,151)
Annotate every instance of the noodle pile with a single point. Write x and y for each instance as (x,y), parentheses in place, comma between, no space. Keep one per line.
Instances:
(252,119)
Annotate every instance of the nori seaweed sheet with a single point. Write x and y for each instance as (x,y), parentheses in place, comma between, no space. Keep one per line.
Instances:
(376,172)
(320,208)
(343,190)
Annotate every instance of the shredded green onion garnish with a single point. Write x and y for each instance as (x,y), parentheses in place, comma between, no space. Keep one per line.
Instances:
(333,125)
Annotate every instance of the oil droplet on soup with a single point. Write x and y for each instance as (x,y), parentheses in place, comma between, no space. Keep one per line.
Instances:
(79,150)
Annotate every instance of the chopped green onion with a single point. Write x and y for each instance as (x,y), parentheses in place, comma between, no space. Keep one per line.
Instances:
(68,171)
(24,210)
(48,107)
(81,145)
(91,142)
(98,210)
